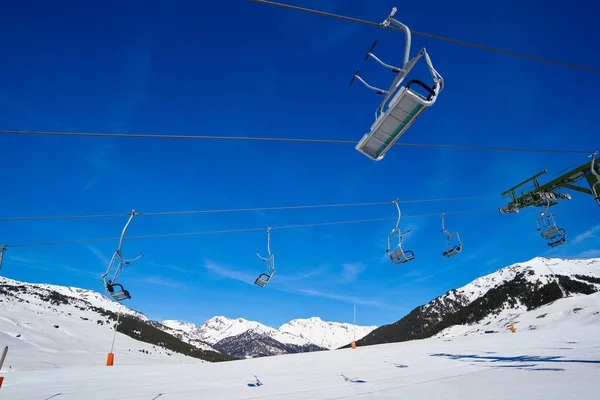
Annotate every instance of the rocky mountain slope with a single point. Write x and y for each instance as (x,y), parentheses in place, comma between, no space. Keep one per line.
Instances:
(518,287)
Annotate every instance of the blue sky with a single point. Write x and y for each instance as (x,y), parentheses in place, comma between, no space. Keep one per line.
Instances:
(247,69)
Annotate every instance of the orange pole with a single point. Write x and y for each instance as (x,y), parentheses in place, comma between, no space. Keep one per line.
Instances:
(353,344)
(110,360)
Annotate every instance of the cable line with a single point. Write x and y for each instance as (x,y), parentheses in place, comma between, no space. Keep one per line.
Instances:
(283,139)
(162,235)
(430,36)
(57,217)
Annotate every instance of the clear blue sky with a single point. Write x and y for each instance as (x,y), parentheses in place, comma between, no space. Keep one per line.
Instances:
(239,68)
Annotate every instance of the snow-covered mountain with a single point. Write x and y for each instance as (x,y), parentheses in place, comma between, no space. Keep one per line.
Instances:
(518,287)
(251,343)
(179,326)
(58,326)
(300,334)
(330,335)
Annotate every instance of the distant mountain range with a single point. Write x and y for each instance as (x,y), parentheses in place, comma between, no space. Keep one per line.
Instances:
(232,336)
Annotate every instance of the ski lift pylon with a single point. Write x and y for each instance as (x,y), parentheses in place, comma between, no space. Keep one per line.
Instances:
(406,104)
(452,250)
(265,278)
(596,185)
(546,226)
(2,250)
(115,266)
(398,256)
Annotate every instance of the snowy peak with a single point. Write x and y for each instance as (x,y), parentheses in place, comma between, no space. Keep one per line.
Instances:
(330,335)
(540,269)
(185,327)
(219,328)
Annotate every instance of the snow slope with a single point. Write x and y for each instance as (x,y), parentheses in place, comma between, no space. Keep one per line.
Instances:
(40,334)
(558,359)
(565,313)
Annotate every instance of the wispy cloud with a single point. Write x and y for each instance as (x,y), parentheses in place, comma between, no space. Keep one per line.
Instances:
(43,265)
(582,237)
(99,254)
(491,262)
(25,262)
(351,270)
(178,269)
(228,272)
(592,253)
(160,281)
(101,165)
(171,267)
(306,274)
(340,297)
(81,272)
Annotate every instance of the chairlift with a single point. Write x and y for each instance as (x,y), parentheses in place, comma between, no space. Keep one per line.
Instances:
(595,186)
(399,256)
(406,104)
(115,266)
(546,226)
(265,278)
(452,250)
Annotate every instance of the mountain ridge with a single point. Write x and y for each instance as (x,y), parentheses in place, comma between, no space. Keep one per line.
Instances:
(520,286)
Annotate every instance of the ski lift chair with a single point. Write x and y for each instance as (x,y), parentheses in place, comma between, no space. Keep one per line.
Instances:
(265,278)
(399,256)
(115,267)
(406,104)
(550,232)
(118,295)
(452,250)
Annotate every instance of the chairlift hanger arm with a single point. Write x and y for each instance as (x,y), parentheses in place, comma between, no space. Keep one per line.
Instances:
(133,214)
(444,227)
(391,20)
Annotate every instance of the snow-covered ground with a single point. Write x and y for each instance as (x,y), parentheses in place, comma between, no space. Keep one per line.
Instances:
(558,359)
